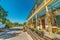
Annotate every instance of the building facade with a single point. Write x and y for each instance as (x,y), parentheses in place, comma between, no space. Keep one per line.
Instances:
(45,15)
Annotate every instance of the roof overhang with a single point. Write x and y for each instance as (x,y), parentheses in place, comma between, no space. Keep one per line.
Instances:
(40,8)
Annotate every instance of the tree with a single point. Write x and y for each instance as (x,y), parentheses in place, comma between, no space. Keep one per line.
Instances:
(9,23)
(24,23)
(17,24)
(3,15)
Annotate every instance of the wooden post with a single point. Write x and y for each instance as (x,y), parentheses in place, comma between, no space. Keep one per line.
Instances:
(32,23)
(36,21)
(40,24)
(27,24)
(49,22)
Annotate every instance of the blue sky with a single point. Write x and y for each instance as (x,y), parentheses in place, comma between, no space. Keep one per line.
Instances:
(18,10)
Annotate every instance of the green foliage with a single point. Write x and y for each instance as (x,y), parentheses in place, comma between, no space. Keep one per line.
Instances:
(3,15)
(36,30)
(23,29)
(42,31)
(17,24)
(30,26)
(10,24)
(24,23)
(3,19)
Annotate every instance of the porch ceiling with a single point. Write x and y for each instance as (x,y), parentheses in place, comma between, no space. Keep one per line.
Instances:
(53,6)
(40,9)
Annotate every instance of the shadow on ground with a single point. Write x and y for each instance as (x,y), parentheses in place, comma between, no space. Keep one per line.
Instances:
(8,34)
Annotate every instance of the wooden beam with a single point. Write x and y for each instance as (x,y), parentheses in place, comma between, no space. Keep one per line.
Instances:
(40,8)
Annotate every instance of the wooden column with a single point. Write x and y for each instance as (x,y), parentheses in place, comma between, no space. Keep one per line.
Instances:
(40,24)
(27,24)
(36,21)
(32,23)
(49,26)
(49,22)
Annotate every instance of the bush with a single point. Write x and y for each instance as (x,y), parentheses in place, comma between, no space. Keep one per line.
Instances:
(42,33)
(32,29)
(39,32)
(24,29)
(36,30)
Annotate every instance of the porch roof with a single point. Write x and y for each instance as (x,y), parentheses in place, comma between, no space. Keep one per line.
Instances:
(40,9)
(51,7)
